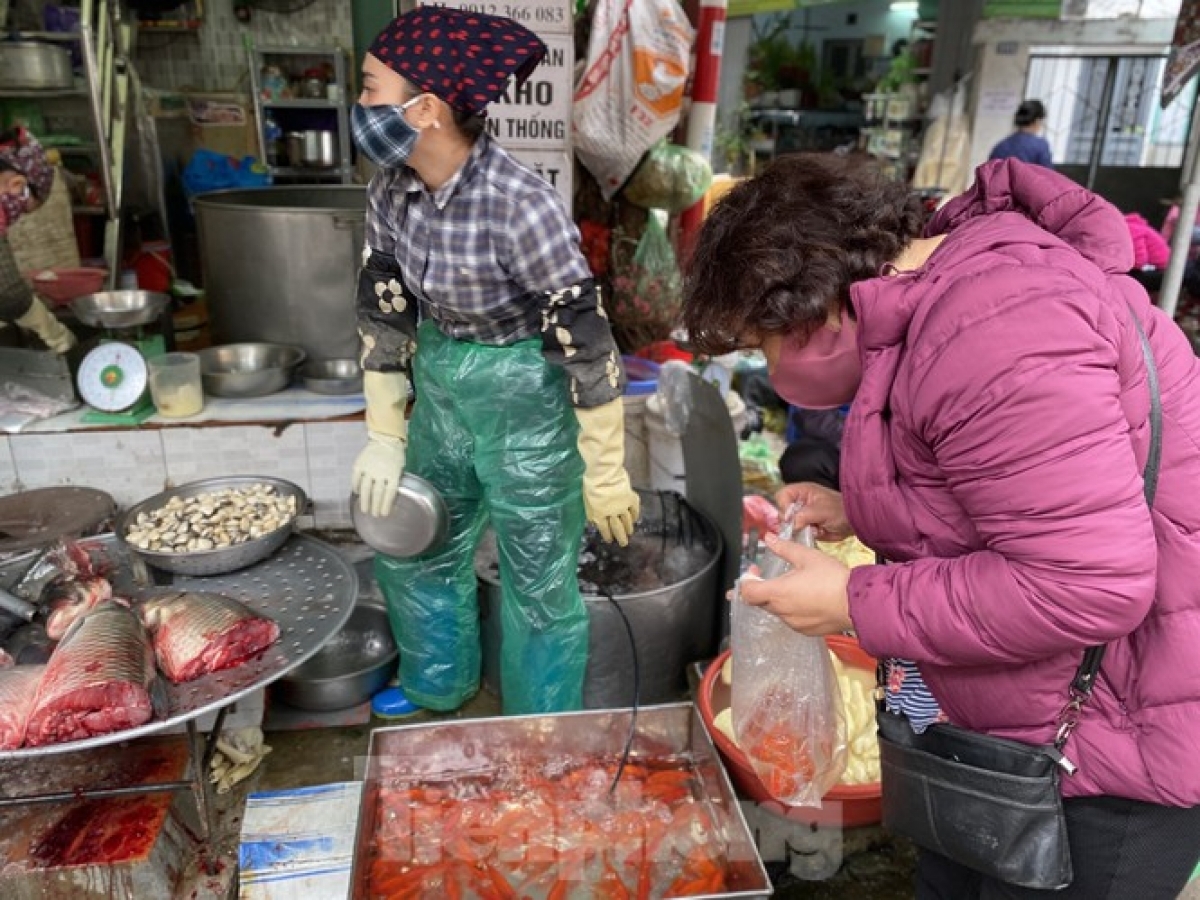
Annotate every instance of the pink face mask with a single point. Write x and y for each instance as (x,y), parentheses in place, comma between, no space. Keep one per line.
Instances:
(822,372)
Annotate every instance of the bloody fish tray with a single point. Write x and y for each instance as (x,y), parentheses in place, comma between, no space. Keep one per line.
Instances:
(528,806)
(306,587)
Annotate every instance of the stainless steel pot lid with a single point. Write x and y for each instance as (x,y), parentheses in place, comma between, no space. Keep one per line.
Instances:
(417,523)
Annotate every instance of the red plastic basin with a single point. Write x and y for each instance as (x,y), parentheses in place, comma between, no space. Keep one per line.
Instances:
(67,283)
(846,805)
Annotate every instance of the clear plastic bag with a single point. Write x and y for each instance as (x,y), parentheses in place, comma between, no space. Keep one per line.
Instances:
(669,177)
(787,710)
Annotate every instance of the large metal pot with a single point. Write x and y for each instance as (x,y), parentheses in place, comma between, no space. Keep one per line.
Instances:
(30,65)
(281,265)
(673,625)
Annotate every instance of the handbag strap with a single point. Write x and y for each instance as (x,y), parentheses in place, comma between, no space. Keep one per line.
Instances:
(1085,676)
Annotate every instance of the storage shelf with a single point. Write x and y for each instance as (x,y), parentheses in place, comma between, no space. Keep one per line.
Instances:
(301,104)
(42,94)
(66,37)
(296,51)
(75,149)
(307,172)
(275,113)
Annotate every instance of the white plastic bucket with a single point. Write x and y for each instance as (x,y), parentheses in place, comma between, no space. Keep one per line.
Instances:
(665,450)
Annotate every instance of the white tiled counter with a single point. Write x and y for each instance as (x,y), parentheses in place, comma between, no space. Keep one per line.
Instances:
(133,463)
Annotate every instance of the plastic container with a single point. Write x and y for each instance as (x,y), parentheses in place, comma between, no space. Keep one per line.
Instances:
(846,805)
(175,384)
(641,375)
(665,451)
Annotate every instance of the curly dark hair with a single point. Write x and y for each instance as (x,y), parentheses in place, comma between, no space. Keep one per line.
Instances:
(778,253)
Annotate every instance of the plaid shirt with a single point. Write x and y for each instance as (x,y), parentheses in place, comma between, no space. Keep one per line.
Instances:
(491,257)
(482,252)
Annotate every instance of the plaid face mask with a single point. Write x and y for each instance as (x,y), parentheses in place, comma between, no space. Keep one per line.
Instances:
(383,134)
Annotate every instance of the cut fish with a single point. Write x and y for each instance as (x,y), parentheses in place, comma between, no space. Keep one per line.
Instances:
(196,633)
(100,679)
(18,693)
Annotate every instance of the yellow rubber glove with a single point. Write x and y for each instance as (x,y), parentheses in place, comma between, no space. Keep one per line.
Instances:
(377,471)
(609,500)
(42,322)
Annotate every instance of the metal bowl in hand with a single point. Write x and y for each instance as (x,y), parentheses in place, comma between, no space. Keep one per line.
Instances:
(219,559)
(418,521)
(119,309)
(248,370)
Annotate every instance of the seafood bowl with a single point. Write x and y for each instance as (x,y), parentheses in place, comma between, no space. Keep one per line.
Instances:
(211,511)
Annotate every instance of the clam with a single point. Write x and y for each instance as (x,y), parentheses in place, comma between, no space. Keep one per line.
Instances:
(212,520)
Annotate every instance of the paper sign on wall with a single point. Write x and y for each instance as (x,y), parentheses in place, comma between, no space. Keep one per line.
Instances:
(533,120)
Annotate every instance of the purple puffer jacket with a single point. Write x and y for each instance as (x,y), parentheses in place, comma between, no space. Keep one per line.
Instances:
(995,450)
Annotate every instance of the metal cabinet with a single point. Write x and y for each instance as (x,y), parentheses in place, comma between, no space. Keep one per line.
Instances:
(301,108)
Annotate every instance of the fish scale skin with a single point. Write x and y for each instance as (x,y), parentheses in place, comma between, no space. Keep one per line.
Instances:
(97,680)
(196,633)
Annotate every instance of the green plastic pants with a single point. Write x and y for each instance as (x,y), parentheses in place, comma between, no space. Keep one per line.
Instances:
(494,431)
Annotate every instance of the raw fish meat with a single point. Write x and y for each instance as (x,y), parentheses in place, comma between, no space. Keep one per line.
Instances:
(73,601)
(100,679)
(18,691)
(198,633)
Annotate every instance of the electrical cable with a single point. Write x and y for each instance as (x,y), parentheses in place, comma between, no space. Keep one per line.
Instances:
(637,691)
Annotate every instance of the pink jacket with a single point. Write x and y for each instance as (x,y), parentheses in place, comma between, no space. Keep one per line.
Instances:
(1149,247)
(995,450)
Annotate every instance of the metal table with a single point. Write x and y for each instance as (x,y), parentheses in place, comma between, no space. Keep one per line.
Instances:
(306,587)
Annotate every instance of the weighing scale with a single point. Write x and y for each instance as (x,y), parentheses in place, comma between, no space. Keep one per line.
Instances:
(113,378)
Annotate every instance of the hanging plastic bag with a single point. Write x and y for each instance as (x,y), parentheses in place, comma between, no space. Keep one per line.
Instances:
(631,93)
(670,177)
(209,171)
(648,293)
(787,710)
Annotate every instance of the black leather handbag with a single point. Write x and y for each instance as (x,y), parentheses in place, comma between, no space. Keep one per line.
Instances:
(991,804)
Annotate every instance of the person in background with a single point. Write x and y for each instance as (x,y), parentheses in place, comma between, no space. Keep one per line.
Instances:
(993,454)
(1150,249)
(26,177)
(473,283)
(1026,143)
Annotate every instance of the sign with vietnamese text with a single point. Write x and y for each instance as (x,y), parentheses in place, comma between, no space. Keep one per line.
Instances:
(533,120)
(542,17)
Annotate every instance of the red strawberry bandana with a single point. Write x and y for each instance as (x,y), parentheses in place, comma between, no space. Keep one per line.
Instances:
(464,58)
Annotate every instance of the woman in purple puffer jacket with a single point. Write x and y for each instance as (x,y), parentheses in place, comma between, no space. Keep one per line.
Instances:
(994,455)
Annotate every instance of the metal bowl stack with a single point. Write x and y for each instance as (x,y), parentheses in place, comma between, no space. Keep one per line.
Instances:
(249,369)
(220,560)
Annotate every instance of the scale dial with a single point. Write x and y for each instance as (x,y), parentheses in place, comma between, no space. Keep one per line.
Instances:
(112,377)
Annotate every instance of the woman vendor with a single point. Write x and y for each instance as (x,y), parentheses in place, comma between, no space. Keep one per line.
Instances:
(473,285)
(25,180)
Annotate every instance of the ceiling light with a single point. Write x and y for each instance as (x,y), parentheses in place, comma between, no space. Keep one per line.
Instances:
(904,6)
